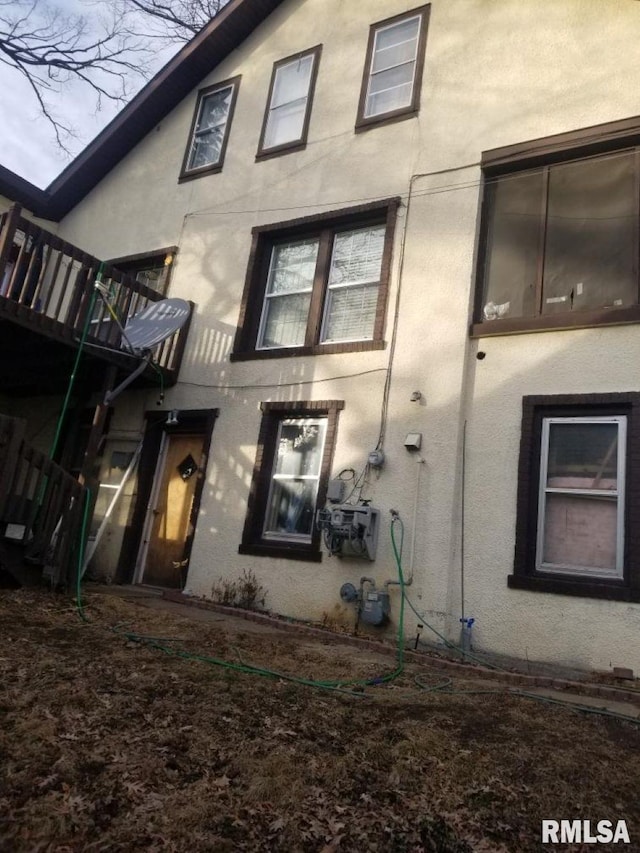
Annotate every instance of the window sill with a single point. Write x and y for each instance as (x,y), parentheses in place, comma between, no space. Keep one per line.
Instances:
(205,170)
(363,124)
(611,590)
(557,322)
(283,551)
(318,349)
(279,150)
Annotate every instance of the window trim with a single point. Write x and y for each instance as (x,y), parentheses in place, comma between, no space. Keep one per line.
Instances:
(294,144)
(254,541)
(142,259)
(525,575)
(363,122)
(606,138)
(187,174)
(263,239)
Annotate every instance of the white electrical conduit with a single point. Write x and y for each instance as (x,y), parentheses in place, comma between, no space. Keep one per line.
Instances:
(414,524)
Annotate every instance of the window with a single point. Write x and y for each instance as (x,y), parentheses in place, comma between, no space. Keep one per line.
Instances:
(318,284)
(295,449)
(393,68)
(574,512)
(286,120)
(152,269)
(210,129)
(559,238)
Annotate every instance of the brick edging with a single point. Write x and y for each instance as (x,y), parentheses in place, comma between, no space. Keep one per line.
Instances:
(426,658)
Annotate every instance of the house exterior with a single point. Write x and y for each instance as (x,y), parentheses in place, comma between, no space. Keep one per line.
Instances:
(410,235)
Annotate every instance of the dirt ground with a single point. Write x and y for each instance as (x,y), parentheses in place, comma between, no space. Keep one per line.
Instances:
(110,744)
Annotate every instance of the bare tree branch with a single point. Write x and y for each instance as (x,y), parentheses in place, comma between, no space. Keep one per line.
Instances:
(51,49)
(173,20)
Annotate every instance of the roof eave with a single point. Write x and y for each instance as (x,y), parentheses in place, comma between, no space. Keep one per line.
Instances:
(234,23)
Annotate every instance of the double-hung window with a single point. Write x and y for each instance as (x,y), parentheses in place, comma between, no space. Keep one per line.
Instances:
(293,461)
(286,120)
(318,285)
(581,499)
(393,68)
(559,241)
(577,507)
(210,129)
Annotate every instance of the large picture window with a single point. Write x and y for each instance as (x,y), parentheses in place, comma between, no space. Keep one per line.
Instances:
(318,285)
(393,68)
(286,120)
(577,508)
(559,240)
(210,129)
(293,460)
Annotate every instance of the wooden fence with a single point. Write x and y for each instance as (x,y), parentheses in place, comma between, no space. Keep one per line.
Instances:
(41,505)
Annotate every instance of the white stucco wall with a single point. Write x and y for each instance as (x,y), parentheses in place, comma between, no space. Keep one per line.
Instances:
(497,72)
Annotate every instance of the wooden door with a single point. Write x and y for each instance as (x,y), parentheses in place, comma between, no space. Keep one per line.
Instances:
(171,527)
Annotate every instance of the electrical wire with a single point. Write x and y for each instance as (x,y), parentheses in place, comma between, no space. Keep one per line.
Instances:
(286,384)
(485,180)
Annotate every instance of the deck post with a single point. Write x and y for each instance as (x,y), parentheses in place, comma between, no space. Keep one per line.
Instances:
(7,234)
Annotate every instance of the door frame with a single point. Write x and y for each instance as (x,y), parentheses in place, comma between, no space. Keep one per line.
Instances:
(150,470)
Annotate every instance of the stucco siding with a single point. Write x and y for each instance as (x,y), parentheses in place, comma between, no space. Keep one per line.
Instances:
(496,72)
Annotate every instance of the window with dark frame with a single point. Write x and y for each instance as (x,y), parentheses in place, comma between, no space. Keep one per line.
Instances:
(210,129)
(293,462)
(288,111)
(559,241)
(393,68)
(577,503)
(153,269)
(318,284)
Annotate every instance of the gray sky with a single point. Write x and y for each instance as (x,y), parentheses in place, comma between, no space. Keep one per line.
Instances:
(27,143)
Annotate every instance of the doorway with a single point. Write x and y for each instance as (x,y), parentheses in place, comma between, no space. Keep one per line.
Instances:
(169,495)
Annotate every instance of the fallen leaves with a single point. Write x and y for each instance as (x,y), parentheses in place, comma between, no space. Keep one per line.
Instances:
(110,748)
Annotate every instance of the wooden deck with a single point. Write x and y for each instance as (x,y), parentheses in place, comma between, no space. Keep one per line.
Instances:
(48,299)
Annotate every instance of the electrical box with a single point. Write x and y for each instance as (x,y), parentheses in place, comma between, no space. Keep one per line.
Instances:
(413,441)
(336,490)
(350,530)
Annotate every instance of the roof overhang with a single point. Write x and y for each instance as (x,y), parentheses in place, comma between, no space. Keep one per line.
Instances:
(230,27)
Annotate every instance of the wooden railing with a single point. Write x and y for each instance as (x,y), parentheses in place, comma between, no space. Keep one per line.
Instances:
(47,284)
(41,505)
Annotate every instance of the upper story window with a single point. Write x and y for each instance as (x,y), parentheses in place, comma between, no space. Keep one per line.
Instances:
(318,284)
(210,129)
(393,68)
(559,238)
(286,120)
